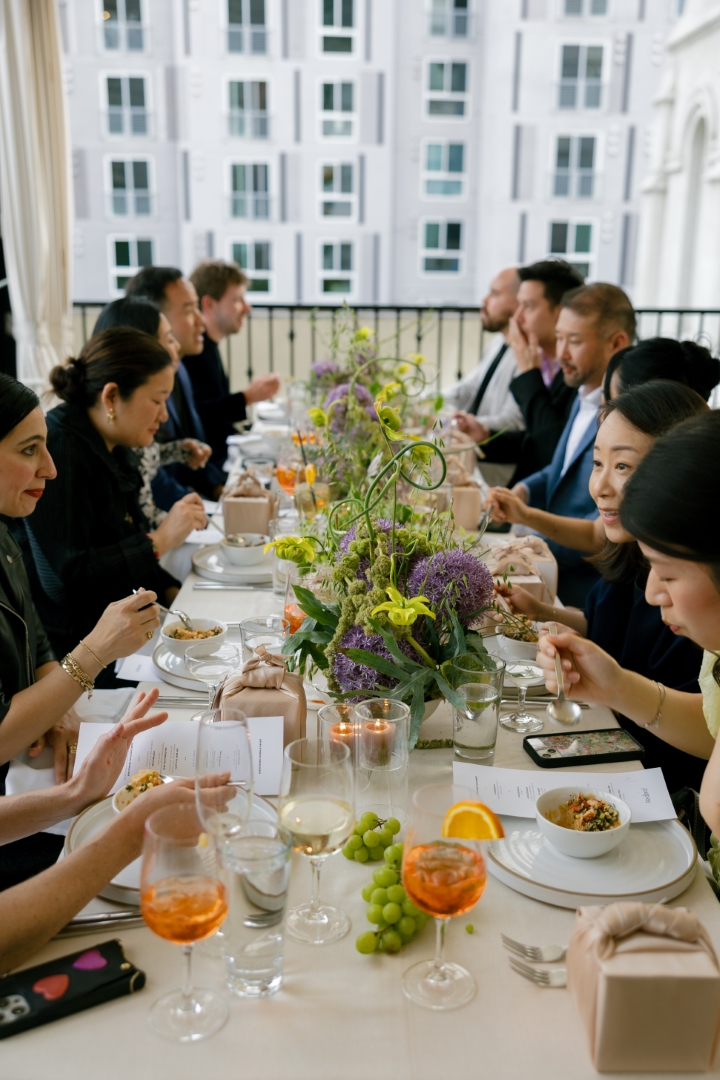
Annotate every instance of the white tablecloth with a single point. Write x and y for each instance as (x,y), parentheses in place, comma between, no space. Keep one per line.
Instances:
(339,1015)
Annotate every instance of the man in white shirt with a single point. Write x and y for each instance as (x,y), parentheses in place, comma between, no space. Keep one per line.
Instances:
(484,397)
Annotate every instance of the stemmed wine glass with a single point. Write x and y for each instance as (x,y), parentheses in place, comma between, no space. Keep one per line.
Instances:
(443,877)
(523,674)
(182,900)
(317,808)
(211,663)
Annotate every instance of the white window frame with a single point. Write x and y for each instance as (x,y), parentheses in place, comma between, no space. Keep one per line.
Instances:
(125,28)
(256,196)
(126,271)
(577,178)
(442,252)
(586,10)
(251,271)
(131,212)
(337,31)
(336,274)
(446,95)
(336,195)
(126,107)
(444,175)
(581,83)
(576,258)
(337,115)
(256,121)
(446,18)
(252,42)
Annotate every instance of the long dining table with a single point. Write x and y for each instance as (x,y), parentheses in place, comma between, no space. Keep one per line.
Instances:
(339,1015)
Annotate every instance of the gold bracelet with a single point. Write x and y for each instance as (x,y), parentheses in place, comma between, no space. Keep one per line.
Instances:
(656,719)
(95,658)
(70,665)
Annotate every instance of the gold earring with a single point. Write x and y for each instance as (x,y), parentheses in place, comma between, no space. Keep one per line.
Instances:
(111,415)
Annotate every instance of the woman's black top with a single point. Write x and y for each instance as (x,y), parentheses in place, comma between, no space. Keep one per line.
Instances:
(621,622)
(88,535)
(24,646)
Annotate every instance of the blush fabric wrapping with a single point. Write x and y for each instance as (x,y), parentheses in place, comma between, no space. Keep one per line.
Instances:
(247,506)
(530,557)
(646,983)
(466,495)
(264,687)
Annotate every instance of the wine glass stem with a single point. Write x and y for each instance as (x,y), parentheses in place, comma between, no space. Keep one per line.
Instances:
(316,866)
(187,987)
(522,694)
(212,691)
(439,960)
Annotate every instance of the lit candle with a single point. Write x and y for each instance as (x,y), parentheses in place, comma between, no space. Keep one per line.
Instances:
(345,732)
(377,742)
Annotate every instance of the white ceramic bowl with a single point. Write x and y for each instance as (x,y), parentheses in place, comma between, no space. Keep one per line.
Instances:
(507,649)
(581,845)
(178,646)
(245,556)
(119,809)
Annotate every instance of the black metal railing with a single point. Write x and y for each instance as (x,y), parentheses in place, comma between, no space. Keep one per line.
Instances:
(289,338)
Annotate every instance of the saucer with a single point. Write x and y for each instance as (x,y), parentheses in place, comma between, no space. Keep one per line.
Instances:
(209,563)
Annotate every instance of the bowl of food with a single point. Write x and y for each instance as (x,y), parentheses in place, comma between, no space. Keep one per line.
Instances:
(176,637)
(141,782)
(243,549)
(582,823)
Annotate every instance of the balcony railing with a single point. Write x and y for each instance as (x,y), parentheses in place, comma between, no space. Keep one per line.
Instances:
(455,24)
(247,39)
(250,205)
(289,338)
(248,124)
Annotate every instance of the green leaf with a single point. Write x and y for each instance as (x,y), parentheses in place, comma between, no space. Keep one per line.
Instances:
(392,645)
(322,613)
(319,657)
(417,711)
(377,663)
(475,643)
(448,693)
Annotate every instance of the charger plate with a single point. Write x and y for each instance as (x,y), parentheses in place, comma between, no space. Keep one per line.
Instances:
(209,563)
(125,888)
(655,861)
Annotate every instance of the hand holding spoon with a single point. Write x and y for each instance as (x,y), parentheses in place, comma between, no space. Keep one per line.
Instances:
(561,710)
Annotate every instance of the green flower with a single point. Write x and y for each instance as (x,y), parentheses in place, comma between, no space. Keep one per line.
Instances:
(401,611)
(297,549)
(388,417)
(318,417)
(363,334)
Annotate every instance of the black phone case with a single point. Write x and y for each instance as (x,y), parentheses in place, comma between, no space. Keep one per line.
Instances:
(65,986)
(582,759)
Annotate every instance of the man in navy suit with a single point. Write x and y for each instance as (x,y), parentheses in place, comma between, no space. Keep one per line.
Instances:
(595,322)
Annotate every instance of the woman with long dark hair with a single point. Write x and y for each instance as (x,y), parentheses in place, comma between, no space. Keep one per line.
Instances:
(89,539)
(683,362)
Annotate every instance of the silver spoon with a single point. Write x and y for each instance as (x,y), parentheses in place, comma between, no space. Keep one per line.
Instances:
(184,619)
(561,710)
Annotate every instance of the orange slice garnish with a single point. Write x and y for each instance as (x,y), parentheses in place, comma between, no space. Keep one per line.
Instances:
(470,820)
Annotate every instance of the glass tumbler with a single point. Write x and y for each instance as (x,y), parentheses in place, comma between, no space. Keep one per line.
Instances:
(478,680)
(382,733)
(268,630)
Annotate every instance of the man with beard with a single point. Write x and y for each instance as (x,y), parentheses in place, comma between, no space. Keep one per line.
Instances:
(483,398)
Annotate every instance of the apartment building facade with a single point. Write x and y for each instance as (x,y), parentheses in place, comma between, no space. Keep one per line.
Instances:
(374,151)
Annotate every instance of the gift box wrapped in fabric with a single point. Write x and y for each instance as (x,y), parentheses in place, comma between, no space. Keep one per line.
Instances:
(264,687)
(247,506)
(528,556)
(467,500)
(646,983)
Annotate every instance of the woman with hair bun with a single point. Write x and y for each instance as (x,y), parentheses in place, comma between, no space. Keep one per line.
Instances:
(89,539)
(662,358)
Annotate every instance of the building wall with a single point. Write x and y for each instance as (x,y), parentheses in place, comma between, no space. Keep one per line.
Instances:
(418,234)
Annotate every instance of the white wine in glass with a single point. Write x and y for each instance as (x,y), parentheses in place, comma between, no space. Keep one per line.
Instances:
(317,808)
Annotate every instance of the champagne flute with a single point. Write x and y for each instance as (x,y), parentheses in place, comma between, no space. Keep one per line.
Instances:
(522,674)
(317,808)
(211,664)
(443,877)
(182,900)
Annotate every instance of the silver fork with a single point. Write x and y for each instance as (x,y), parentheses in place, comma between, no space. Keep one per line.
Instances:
(537,954)
(554,979)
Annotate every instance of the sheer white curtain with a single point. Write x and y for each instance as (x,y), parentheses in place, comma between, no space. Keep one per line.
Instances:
(35,206)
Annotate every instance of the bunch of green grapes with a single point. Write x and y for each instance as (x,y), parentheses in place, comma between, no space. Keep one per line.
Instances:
(372,837)
(395,917)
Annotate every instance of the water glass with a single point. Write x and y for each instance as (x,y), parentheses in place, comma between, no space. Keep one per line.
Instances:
(479,681)
(286,525)
(257,869)
(268,630)
(382,734)
(211,663)
(261,467)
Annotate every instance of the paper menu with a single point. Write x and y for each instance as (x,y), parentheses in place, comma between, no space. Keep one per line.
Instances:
(171,749)
(513,792)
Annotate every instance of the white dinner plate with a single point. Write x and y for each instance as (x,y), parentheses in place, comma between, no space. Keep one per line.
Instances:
(125,888)
(655,861)
(171,669)
(209,563)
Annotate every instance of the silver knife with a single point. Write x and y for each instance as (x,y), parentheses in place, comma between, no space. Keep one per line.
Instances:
(212,586)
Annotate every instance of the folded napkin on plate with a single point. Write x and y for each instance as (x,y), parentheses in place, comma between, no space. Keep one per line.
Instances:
(264,687)
(646,982)
(247,506)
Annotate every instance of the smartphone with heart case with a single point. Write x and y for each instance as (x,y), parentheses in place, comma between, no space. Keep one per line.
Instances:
(64,986)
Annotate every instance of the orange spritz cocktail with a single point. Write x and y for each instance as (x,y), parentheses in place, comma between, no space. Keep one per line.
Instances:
(295,616)
(184,909)
(444,879)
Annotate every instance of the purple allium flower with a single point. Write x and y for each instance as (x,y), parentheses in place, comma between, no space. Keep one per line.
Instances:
(452,581)
(352,676)
(324,367)
(382,523)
